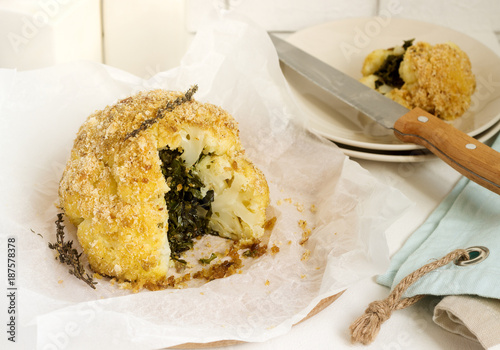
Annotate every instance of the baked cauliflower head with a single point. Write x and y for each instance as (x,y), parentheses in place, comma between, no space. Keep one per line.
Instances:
(151,173)
(437,78)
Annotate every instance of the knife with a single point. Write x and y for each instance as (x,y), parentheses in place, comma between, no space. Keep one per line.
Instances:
(462,152)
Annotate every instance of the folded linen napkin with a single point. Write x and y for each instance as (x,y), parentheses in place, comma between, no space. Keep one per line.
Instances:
(468,217)
(473,317)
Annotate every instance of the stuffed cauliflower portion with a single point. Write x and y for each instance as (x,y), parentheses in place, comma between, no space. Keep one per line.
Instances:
(437,78)
(139,201)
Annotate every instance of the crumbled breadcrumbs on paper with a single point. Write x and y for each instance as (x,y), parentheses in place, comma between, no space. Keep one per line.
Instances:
(299,206)
(306,255)
(306,232)
(274,250)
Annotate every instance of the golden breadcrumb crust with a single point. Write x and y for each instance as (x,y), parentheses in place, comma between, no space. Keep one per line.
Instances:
(113,188)
(437,78)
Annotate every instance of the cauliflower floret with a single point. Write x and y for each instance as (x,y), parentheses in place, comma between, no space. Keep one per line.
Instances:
(241,196)
(374,61)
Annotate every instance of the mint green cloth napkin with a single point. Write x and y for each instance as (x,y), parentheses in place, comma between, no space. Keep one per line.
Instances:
(469,216)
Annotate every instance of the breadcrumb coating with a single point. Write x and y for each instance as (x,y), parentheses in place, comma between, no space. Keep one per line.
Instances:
(437,78)
(113,188)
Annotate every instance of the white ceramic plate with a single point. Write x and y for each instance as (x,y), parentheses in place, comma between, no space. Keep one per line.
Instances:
(344,44)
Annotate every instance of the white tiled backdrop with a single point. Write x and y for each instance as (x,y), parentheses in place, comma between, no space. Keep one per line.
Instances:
(148,36)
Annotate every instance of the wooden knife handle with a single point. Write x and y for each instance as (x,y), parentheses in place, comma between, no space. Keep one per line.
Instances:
(465,154)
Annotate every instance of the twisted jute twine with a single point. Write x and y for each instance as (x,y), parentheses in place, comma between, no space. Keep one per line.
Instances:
(365,328)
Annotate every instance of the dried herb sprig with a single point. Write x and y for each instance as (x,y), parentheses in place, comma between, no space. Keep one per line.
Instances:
(161,111)
(69,255)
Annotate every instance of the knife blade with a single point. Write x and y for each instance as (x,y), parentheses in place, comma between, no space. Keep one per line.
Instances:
(468,156)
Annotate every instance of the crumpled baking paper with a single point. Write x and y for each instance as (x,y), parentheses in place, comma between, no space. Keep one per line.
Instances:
(236,67)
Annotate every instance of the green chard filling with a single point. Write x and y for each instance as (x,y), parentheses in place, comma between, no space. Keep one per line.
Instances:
(388,73)
(189,210)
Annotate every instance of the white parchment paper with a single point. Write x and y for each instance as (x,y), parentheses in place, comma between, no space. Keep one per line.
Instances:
(236,67)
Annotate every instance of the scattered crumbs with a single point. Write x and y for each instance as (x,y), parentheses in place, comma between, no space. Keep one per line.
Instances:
(267,282)
(97,276)
(122,285)
(255,250)
(269,225)
(318,268)
(303,276)
(303,224)
(289,242)
(300,207)
(313,208)
(228,267)
(306,232)
(306,255)
(274,250)
(202,293)
(60,281)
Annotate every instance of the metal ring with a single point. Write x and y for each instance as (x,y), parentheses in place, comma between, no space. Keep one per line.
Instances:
(476,255)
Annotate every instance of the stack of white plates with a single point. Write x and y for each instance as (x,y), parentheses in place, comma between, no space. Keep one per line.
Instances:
(344,45)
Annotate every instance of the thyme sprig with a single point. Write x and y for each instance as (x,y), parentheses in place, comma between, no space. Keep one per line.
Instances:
(170,106)
(69,255)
